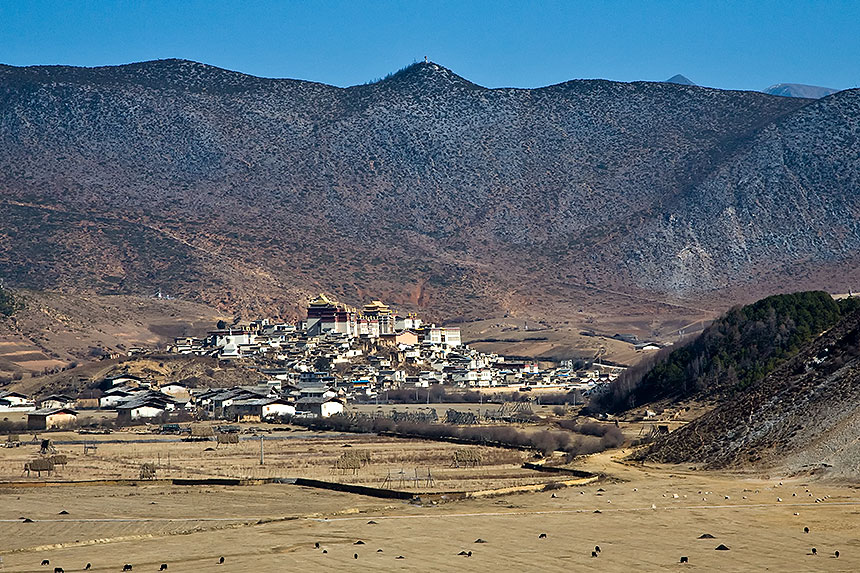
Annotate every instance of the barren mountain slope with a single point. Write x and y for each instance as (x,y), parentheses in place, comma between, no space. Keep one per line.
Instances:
(423,187)
(55,329)
(801,417)
(784,205)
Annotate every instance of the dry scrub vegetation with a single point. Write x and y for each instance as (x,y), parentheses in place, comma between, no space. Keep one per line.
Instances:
(543,441)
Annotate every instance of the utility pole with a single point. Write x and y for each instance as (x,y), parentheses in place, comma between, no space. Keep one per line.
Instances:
(261,450)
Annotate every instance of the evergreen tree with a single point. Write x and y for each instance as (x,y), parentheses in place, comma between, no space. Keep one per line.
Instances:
(738,349)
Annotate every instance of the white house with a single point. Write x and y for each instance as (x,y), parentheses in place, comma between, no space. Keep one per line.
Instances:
(406,322)
(258,409)
(145,405)
(139,410)
(233,337)
(447,336)
(15,402)
(175,390)
(320,407)
(124,380)
(57,401)
(317,392)
(115,396)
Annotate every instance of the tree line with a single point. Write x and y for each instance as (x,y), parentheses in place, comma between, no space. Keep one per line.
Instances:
(736,350)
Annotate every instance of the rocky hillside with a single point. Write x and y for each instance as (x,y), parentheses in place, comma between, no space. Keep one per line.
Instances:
(802,417)
(422,188)
(785,196)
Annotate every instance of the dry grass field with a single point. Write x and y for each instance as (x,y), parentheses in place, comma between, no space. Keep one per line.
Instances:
(644,518)
(286,454)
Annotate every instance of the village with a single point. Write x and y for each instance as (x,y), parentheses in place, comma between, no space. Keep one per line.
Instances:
(317,367)
(328,450)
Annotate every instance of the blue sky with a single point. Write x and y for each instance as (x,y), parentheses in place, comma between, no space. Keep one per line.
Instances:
(733,45)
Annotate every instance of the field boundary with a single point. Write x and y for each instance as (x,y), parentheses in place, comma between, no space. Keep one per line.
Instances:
(582,478)
(557,470)
(56,483)
(223,481)
(359,489)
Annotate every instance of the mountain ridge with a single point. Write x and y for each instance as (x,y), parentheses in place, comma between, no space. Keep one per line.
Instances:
(422,181)
(180,67)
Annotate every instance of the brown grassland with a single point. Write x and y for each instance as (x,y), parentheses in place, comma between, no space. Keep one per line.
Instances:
(644,518)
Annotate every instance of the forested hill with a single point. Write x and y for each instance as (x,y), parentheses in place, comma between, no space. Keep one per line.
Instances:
(802,418)
(735,351)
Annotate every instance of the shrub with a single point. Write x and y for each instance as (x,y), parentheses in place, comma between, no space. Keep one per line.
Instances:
(9,303)
(9,427)
(544,441)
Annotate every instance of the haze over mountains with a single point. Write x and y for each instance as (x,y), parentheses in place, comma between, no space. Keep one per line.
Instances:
(800,90)
(785,90)
(681,80)
(423,188)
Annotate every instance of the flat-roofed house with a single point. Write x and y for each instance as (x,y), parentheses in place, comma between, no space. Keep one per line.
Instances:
(123,380)
(407,338)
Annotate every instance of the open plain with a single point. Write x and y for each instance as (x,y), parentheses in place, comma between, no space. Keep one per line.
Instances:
(643,517)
